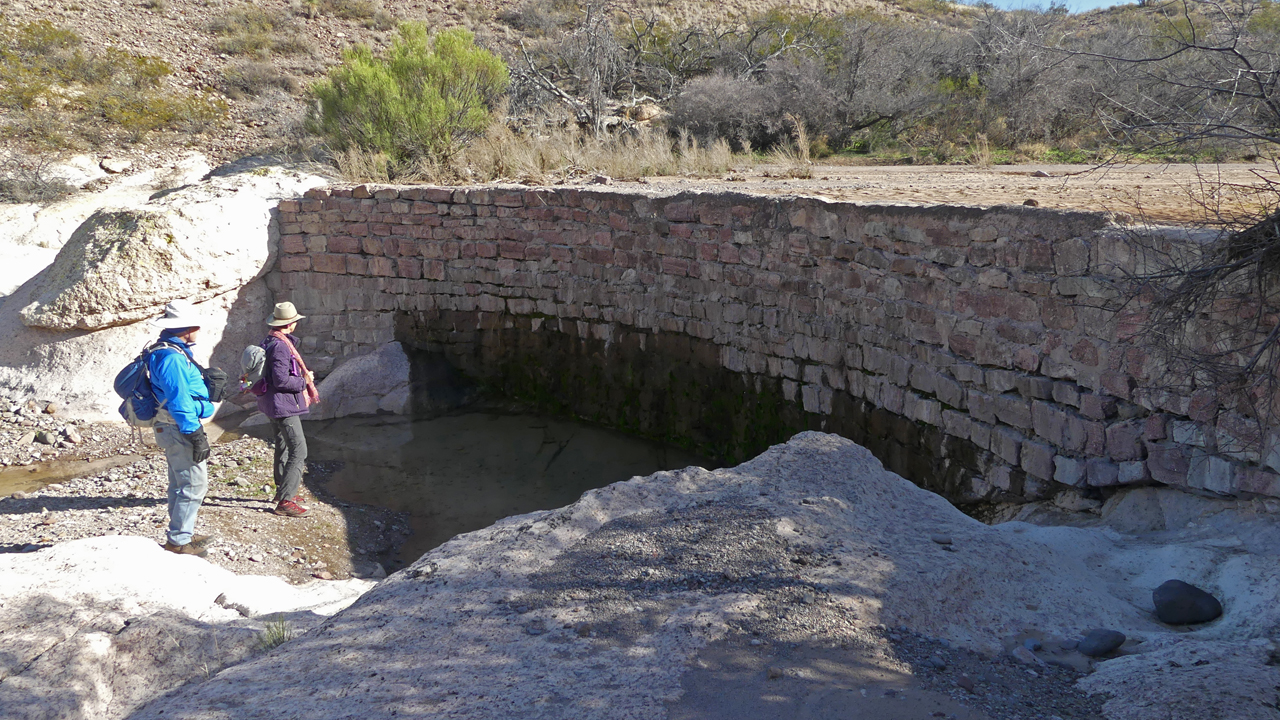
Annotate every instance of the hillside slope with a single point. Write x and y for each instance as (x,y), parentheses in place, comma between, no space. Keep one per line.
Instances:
(258,58)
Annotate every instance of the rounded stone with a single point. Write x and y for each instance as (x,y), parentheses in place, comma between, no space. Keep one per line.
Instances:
(1180,603)
(1100,641)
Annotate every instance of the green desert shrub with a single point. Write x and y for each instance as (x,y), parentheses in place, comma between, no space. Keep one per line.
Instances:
(420,102)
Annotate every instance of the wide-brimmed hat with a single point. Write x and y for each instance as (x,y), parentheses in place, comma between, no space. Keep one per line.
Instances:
(285,314)
(179,314)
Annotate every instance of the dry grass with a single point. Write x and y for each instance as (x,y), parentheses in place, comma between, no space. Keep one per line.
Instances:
(250,79)
(253,31)
(555,156)
(794,157)
(370,13)
(54,94)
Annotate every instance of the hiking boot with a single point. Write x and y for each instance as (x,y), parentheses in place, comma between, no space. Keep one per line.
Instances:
(289,508)
(188,549)
(201,541)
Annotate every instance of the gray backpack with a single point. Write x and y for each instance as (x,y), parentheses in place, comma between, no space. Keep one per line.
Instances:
(253,362)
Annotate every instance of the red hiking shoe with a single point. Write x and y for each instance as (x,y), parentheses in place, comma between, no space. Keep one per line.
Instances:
(289,508)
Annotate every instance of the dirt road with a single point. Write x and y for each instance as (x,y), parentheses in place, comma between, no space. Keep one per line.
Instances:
(1160,194)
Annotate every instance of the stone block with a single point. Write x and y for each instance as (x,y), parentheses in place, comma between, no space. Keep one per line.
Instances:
(680,212)
(922,409)
(1013,410)
(1259,482)
(1187,432)
(967,373)
(1095,438)
(1118,383)
(1007,444)
(1101,473)
(1034,387)
(949,392)
(980,434)
(357,265)
(891,397)
(1069,471)
(993,278)
(1057,314)
(984,234)
(295,263)
(875,359)
(409,268)
(1071,257)
(1133,472)
(1124,440)
(1000,381)
(1049,422)
(1037,459)
(1097,407)
(1206,471)
(1066,393)
(1074,435)
(899,370)
(329,263)
(981,406)
(957,424)
(1168,463)
(924,378)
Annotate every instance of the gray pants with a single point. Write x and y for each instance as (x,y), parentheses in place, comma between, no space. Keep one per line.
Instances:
(291,456)
(188,482)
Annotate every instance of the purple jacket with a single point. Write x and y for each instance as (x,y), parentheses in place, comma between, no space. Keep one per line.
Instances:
(285,383)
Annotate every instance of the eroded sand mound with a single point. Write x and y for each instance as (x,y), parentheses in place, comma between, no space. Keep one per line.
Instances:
(601,609)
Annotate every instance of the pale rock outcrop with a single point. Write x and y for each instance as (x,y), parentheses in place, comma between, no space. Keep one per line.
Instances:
(598,609)
(93,628)
(69,329)
(1177,679)
(123,265)
(366,385)
(31,234)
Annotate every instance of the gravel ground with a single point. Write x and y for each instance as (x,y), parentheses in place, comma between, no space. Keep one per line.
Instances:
(107,480)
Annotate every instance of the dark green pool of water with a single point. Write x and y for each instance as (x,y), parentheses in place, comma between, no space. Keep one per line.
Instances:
(463,472)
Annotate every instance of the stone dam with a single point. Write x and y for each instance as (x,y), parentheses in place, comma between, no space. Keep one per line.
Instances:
(971,350)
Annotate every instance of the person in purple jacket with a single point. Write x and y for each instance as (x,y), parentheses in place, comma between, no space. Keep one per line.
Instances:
(290,389)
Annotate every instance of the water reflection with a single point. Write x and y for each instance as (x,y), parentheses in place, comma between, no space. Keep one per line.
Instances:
(462,472)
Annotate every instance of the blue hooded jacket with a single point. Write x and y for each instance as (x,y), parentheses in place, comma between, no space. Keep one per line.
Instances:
(178,385)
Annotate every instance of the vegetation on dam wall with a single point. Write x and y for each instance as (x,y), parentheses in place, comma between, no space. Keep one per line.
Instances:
(987,328)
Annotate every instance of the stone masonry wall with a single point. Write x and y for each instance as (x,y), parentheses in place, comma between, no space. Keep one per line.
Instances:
(979,328)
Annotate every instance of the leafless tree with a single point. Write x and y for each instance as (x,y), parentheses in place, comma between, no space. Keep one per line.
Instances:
(1208,72)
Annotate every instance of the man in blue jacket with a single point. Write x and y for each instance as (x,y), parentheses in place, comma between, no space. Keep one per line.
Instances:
(183,398)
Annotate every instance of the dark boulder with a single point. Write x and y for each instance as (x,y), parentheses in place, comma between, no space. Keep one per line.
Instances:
(1099,642)
(1179,603)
